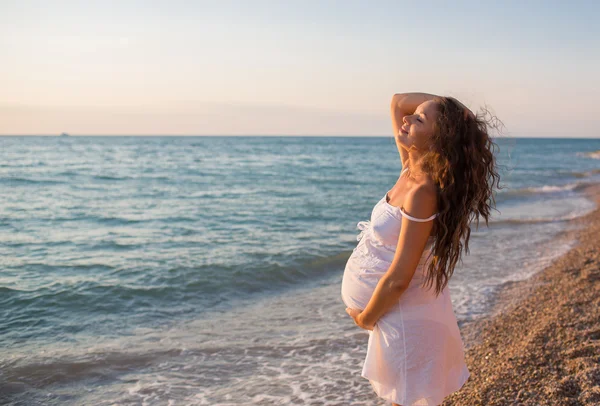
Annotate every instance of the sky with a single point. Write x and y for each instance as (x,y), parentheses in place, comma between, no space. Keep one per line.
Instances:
(293,67)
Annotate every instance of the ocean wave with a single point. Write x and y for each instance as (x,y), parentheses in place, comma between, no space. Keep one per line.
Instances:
(109,177)
(111,220)
(26,181)
(553,188)
(5,290)
(539,220)
(542,189)
(113,246)
(206,286)
(40,373)
(525,221)
(584,174)
(593,154)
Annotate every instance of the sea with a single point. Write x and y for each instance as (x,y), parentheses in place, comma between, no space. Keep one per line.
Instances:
(166,270)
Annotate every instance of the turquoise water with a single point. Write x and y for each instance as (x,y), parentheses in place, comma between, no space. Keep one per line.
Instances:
(206,270)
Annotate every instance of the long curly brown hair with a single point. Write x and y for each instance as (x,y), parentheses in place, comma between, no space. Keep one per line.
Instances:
(462,164)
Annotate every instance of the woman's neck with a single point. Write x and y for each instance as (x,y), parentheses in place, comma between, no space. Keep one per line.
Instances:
(414,165)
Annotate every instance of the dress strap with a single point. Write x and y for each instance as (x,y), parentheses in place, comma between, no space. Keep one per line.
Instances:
(416,219)
(411,217)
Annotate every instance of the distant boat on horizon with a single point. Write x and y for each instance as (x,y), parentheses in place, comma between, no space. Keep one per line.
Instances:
(64,135)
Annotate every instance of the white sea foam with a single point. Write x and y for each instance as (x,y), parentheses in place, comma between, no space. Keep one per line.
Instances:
(593,154)
(553,188)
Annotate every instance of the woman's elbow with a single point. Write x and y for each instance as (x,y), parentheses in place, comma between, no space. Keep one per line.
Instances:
(396,284)
(396,99)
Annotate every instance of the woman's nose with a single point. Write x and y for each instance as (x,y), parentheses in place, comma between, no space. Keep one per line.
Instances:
(405,120)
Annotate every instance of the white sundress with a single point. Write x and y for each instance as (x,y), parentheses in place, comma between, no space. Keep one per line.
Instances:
(415,353)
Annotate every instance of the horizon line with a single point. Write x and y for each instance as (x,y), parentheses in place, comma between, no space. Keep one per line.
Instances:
(268,135)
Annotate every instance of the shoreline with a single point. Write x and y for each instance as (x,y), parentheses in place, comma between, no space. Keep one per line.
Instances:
(540,343)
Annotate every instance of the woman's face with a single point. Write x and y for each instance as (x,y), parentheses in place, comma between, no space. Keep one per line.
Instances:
(417,128)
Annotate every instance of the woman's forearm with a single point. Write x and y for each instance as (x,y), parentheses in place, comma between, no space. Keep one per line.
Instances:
(384,297)
(408,102)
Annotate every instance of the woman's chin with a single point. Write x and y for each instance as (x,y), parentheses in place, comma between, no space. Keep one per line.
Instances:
(402,142)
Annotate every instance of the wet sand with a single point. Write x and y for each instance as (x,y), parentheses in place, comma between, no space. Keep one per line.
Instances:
(541,346)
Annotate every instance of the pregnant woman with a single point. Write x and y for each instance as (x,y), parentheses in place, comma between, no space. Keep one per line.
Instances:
(395,282)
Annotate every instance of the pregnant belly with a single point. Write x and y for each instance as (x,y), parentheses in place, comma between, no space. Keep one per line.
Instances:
(359,282)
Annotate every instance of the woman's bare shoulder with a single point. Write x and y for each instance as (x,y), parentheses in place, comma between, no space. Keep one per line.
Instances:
(421,201)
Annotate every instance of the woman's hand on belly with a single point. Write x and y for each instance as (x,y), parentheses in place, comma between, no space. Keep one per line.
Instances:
(355,314)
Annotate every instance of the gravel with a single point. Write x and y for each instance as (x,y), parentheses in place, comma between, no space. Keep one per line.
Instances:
(541,345)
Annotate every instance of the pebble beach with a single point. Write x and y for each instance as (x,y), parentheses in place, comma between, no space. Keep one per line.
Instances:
(541,346)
